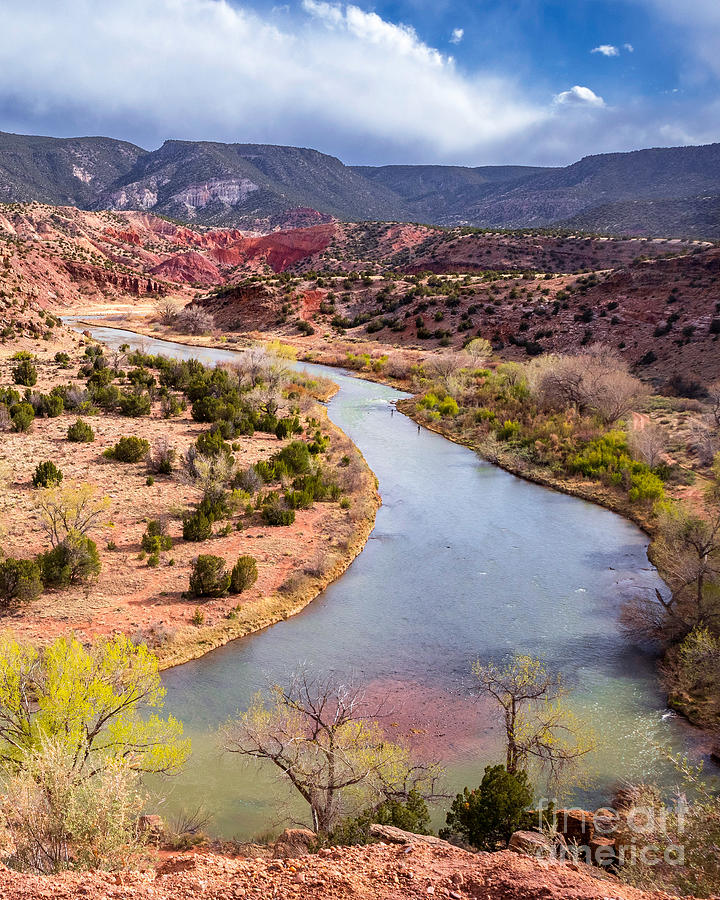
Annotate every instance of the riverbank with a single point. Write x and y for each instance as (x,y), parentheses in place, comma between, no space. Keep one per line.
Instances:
(298,591)
(147,598)
(314,351)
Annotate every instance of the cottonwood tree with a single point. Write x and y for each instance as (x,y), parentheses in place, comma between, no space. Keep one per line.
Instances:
(73,508)
(319,735)
(648,443)
(538,725)
(448,368)
(686,549)
(595,381)
(194,320)
(478,349)
(98,702)
(166,311)
(78,728)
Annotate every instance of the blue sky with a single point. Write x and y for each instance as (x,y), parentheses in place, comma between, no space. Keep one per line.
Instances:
(470,83)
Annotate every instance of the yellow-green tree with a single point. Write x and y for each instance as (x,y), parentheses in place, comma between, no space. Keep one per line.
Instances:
(98,702)
(70,508)
(538,725)
(78,727)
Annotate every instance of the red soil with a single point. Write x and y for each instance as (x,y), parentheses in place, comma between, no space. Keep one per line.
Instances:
(375,872)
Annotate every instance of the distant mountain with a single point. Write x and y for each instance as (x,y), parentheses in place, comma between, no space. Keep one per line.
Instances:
(241,184)
(70,171)
(438,194)
(663,192)
(687,216)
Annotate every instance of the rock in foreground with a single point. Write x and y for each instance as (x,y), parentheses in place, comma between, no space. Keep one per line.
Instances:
(376,872)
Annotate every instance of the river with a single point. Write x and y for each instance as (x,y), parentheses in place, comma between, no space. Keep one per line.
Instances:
(466,561)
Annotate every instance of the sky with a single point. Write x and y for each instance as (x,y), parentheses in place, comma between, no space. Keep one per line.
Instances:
(470,82)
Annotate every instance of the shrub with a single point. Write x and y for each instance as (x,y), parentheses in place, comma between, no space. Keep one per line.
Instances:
(209,409)
(645,486)
(197,527)
(244,574)
(491,813)
(73,561)
(62,359)
(211,443)
(155,540)
(20,581)
(106,397)
(214,504)
(135,404)
(128,449)
(508,430)
(50,405)
(274,514)
(296,457)
(608,458)
(46,474)
(22,416)
(288,426)
(209,577)
(9,396)
(448,407)
(80,432)
(25,373)
(410,815)
(162,459)
(172,405)
(248,480)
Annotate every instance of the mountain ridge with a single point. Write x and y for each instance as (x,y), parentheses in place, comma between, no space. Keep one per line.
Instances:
(671,192)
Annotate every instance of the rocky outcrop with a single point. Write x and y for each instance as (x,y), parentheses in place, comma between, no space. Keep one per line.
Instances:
(392,835)
(531,843)
(244,307)
(294,842)
(190,267)
(127,283)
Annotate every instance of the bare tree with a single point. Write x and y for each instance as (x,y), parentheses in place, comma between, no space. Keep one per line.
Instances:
(449,365)
(69,508)
(166,311)
(687,550)
(538,727)
(648,443)
(595,381)
(714,402)
(704,440)
(161,458)
(478,349)
(194,320)
(319,735)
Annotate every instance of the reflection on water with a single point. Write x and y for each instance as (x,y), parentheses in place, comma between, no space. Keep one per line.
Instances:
(465,561)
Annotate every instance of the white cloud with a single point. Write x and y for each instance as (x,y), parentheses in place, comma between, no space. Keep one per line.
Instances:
(331,76)
(606,50)
(579,96)
(457,35)
(322,74)
(698,24)
(629,48)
